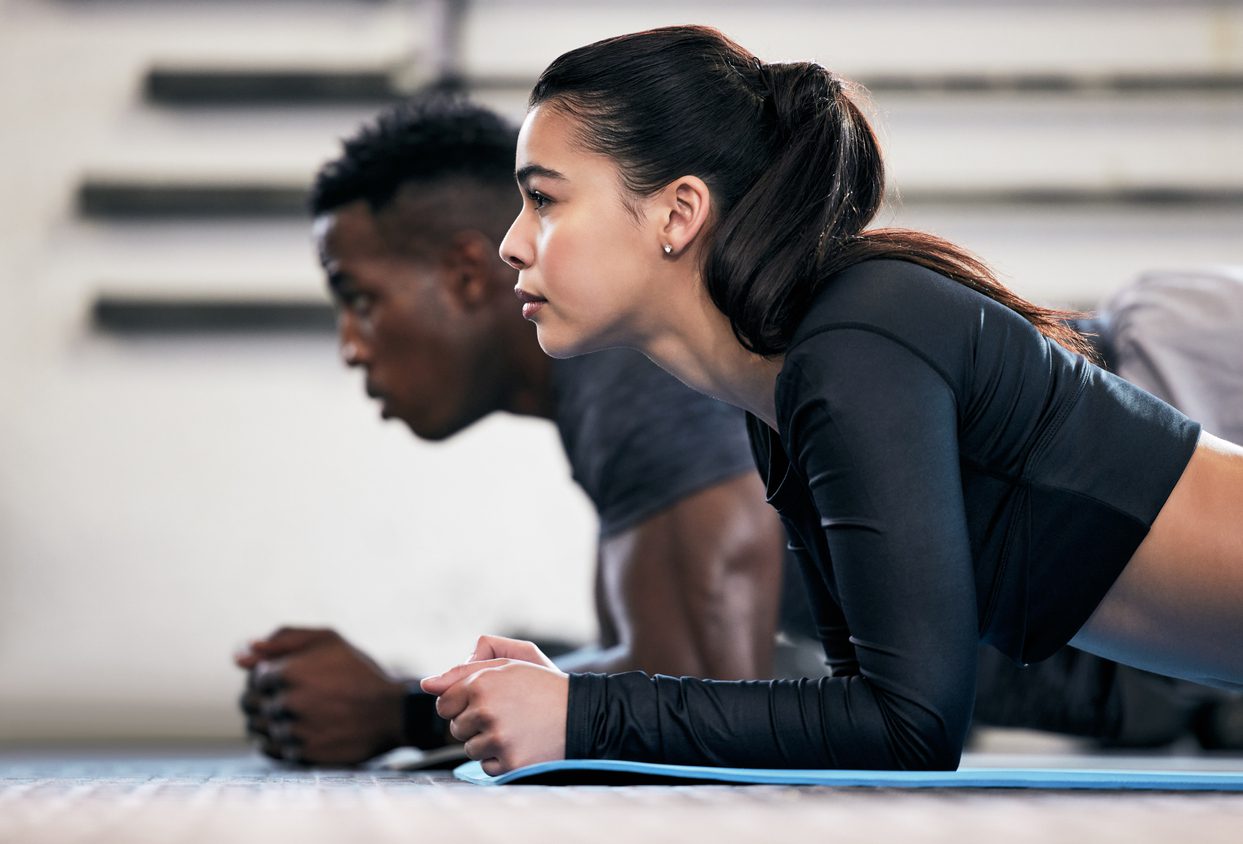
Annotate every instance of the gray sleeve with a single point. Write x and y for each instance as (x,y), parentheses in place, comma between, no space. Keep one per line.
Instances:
(1179,335)
(638,440)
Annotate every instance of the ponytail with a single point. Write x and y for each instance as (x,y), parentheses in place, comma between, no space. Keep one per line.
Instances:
(795,170)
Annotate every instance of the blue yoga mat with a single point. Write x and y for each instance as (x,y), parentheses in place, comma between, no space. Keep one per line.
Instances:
(615,772)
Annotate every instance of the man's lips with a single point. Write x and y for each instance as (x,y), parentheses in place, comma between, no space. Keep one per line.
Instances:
(376,393)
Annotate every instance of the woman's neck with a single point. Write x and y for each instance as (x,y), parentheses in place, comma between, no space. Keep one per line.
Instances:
(693,341)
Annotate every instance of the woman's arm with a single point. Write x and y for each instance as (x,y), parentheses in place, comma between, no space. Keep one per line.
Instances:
(872,427)
(830,622)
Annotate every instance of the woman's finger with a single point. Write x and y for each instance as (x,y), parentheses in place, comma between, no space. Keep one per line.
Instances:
(499,647)
(438,684)
(481,747)
(470,723)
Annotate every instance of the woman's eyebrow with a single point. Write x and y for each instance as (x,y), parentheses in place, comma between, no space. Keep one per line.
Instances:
(522,174)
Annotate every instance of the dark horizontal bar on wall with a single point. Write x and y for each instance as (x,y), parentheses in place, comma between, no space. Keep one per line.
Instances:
(191,86)
(150,315)
(1056,83)
(212,87)
(192,200)
(1134,197)
(139,199)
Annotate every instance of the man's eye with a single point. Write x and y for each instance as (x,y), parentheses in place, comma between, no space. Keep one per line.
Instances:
(359,303)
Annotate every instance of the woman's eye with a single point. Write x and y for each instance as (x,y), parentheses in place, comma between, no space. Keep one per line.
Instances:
(538,200)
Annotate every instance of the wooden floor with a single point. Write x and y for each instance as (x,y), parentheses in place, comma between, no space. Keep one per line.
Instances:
(226,796)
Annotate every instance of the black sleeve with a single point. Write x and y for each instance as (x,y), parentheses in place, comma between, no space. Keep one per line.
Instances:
(872,428)
(830,623)
(638,440)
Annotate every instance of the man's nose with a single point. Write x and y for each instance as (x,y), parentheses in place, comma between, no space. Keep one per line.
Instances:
(353,351)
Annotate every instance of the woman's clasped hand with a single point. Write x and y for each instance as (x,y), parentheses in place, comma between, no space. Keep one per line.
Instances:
(506,703)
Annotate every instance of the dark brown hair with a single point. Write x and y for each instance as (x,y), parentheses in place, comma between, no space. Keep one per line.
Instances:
(794,168)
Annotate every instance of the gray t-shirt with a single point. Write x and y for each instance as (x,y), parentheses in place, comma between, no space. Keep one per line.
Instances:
(1179,335)
(638,440)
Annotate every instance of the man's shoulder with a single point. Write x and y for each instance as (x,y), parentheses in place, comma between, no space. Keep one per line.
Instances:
(638,439)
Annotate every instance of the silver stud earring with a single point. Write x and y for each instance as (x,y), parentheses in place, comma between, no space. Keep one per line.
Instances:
(668,248)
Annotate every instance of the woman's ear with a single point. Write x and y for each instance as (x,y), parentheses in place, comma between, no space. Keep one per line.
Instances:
(684,207)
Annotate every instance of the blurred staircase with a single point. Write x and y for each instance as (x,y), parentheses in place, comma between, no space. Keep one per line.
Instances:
(1072,144)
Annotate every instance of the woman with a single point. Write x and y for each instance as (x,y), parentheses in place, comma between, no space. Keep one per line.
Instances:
(948,466)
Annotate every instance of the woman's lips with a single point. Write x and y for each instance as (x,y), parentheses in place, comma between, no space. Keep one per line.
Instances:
(531,304)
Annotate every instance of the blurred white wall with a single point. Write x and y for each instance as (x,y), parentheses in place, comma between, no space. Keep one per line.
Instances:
(163,499)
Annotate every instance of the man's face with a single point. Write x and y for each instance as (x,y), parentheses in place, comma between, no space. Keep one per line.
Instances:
(396,322)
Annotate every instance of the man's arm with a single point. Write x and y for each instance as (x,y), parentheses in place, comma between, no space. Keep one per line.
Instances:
(693,589)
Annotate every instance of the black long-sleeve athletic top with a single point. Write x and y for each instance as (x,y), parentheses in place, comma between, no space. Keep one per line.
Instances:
(946,475)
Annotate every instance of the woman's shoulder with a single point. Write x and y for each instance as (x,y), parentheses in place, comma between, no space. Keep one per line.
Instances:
(875,326)
(891,297)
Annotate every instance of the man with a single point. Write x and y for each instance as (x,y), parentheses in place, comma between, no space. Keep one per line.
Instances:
(1179,335)
(408,222)
(689,566)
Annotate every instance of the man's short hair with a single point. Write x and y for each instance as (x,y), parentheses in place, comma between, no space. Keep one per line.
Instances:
(430,138)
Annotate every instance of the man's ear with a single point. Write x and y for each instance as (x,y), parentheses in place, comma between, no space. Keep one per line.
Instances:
(684,206)
(468,264)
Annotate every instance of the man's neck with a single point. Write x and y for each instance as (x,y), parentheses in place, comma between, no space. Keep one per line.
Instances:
(530,390)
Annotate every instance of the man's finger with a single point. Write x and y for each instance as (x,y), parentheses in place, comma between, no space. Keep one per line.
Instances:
(284,733)
(267,747)
(246,658)
(257,726)
(285,748)
(250,701)
(293,753)
(275,707)
(288,640)
(266,677)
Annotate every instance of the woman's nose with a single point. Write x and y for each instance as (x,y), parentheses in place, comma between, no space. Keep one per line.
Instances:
(515,249)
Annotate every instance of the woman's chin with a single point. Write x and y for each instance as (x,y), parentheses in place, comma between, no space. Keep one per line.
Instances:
(557,345)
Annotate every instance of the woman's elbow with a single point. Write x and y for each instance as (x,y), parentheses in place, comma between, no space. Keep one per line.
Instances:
(933,739)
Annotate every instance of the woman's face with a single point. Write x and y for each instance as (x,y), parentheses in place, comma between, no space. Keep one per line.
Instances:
(584,260)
